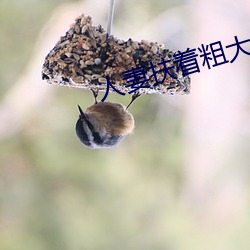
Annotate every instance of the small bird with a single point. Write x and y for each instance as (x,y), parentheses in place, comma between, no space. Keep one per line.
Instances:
(104,124)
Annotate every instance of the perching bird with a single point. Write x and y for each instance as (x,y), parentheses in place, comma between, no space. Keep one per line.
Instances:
(104,124)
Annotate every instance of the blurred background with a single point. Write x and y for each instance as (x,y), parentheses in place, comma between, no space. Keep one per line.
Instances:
(180,182)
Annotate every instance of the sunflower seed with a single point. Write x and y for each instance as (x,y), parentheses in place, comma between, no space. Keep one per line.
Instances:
(95,76)
(88,62)
(77,29)
(77,57)
(69,60)
(102,80)
(85,46)
(154,49)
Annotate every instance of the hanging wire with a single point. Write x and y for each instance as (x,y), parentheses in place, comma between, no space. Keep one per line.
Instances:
(110,15)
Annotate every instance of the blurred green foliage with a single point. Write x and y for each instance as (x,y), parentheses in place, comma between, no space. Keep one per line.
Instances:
(20,24)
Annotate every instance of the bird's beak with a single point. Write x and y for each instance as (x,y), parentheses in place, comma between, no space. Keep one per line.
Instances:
(82,115)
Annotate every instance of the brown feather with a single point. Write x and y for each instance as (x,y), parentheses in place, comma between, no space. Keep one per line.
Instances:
(112,117)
